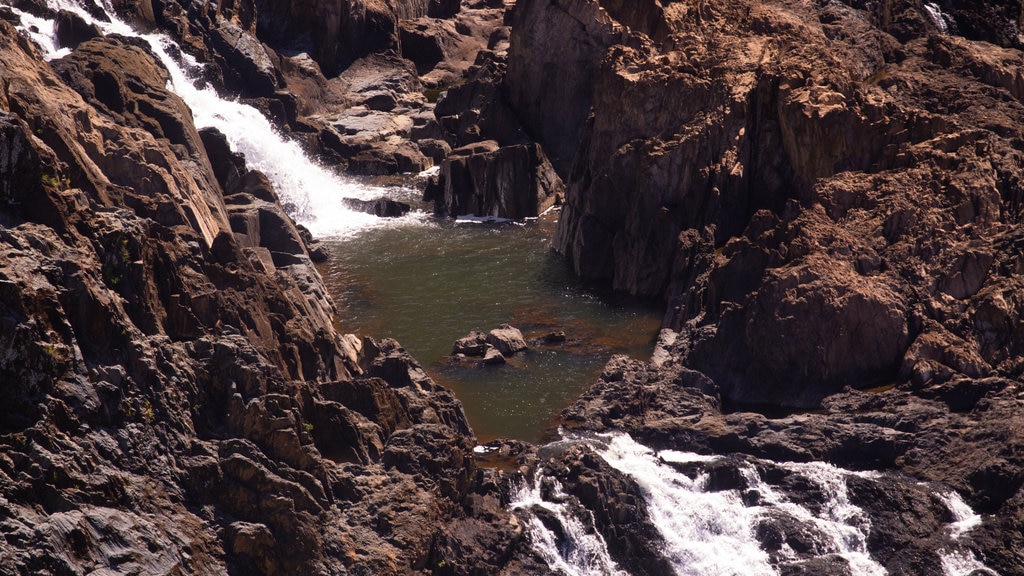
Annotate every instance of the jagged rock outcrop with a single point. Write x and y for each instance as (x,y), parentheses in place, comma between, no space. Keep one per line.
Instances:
(776,195)
(177,398)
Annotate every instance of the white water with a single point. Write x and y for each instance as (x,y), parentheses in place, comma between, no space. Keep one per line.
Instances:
(961,563)
(582,552)
(964,518)
(311,192)
(713,533)
(935,13)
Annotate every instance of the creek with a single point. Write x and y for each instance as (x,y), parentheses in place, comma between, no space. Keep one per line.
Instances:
(428,282)
(422,281)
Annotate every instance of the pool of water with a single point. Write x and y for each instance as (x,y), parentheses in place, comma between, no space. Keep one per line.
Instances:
(428,283)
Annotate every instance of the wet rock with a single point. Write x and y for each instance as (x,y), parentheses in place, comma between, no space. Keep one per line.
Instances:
(248,67)
(382,207)
(492,356)
(619,510)
(71,30)
(473,344)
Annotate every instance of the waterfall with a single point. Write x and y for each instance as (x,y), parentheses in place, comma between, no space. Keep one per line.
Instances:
(311,193)
(710,531)
(577,549)
(937,17)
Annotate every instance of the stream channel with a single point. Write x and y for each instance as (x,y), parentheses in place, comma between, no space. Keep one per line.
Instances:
(428,282)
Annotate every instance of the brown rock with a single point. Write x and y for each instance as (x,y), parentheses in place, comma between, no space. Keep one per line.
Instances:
(507,339)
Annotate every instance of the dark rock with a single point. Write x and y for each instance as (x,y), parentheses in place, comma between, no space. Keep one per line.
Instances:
(554,56)
(71,30)
(436,150)
(425,44)
(248,67)
(382,207)
(485,180)
(474,344)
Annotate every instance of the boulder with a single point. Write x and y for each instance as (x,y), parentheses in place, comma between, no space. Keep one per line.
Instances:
(507,339)
(473,344)
(248,68)
(71,30)
(492,356)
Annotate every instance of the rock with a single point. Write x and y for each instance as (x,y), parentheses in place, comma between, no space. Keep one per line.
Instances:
(554,337)
(554,55)
(382,207)
(175,381)
(71,30)
(473,344)
(339,31)
(507,339)
(476,109)
(492,356)
(248,67)
(392,157)
(425,43)
(484,180)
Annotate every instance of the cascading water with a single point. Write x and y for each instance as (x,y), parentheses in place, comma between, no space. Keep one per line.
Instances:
(311,193)
(577,548)
(714,532)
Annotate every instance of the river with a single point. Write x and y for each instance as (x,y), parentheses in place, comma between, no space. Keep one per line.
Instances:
(428,282)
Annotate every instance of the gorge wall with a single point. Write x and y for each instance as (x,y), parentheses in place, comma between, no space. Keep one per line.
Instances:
(773,170)
(827,196)
(177,399)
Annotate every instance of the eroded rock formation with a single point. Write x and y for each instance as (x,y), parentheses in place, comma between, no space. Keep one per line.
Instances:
(177,398)
(827,196)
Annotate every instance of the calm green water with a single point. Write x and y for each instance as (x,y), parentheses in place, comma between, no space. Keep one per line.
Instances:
(428,284)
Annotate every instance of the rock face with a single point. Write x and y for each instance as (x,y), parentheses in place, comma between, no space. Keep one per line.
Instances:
(343,30)
(484,179)
(779,198)
(827,197)
(177,398)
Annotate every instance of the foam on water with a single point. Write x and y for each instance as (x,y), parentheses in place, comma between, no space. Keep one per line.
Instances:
(705,532)
(580,551)
(311,193)
(713,532)
(962,563)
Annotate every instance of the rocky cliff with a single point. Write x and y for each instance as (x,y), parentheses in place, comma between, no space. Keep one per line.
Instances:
(827,195)
(783,170)
(178,401)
